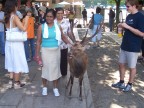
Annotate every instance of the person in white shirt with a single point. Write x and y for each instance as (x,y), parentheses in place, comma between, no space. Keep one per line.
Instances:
(65,25)
(2,40)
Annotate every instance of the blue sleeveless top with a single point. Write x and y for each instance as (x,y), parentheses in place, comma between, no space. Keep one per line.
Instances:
(97,19)
(51,40)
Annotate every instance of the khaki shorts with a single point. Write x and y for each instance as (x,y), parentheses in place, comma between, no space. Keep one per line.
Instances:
(98,36)
(128,57)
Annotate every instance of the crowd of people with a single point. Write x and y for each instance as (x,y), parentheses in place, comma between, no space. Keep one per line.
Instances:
(51,45)
(54,37)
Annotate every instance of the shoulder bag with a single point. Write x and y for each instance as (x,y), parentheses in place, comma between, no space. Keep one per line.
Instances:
(15,36)
(91,23)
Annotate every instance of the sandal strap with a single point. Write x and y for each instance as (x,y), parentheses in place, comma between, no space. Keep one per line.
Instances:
(18,82)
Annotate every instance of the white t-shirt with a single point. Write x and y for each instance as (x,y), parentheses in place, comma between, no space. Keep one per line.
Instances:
(1,18)
(65,25)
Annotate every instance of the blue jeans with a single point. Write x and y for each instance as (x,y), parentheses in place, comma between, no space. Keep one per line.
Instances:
(2,42)
(111,22)
(29,48)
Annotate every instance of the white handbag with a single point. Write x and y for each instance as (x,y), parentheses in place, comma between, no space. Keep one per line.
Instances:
(15,36)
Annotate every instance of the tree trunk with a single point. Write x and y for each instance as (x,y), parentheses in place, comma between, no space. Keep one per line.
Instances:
(117,10)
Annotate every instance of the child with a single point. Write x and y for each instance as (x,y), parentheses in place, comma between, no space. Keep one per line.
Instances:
(30,43)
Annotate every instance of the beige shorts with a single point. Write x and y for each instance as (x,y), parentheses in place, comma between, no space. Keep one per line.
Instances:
(128,57)
(98,36)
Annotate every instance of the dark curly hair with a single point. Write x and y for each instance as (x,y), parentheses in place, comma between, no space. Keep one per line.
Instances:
(59,9)
(98,10)
(9,8)
(51,11)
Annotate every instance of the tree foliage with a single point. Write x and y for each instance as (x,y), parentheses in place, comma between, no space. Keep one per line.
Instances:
(117,10)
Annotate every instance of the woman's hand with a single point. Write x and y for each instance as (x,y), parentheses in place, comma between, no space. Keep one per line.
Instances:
(38,60)
(26,18)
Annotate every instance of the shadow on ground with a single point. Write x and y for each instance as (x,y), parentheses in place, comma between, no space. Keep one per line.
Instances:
(103,71)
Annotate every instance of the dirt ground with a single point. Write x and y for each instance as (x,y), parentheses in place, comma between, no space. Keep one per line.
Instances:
(103,71)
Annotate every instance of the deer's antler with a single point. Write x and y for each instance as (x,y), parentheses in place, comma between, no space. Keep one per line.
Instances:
(84,37)
(86,40)
(71,28)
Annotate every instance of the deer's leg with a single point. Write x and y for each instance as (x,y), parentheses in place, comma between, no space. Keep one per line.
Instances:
(80,85)
(68,83)
(72,79)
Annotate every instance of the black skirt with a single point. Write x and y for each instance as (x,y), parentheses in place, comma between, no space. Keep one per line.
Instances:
(64,61)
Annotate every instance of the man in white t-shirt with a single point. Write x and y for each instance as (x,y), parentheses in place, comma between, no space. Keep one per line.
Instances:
(2,40)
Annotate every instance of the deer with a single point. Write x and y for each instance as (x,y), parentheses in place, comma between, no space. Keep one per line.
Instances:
(78,61)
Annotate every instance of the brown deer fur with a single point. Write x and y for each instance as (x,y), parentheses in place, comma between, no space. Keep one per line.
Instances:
(78,61)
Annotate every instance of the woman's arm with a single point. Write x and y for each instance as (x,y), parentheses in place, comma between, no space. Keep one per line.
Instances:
(23,21)
(64,38)
(38,42)
(70,33)
(38,46)
(19,24)
(135,31)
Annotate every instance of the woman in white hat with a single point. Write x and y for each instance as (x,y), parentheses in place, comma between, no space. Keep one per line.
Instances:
(42,11)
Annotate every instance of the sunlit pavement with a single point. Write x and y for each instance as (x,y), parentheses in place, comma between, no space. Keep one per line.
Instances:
(30,95)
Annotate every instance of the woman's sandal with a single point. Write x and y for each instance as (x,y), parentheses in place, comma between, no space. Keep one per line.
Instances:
(38,60)
(40,63)
(18,84)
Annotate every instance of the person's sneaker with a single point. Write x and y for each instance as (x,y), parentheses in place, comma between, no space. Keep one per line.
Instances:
(18,85)
(28,60)
(140,58)
(44,91)
(56,92)
(119,85)
(127,88)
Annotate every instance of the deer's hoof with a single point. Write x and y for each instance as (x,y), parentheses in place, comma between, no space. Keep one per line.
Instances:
(66,86)
(80,98)
(69,96)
